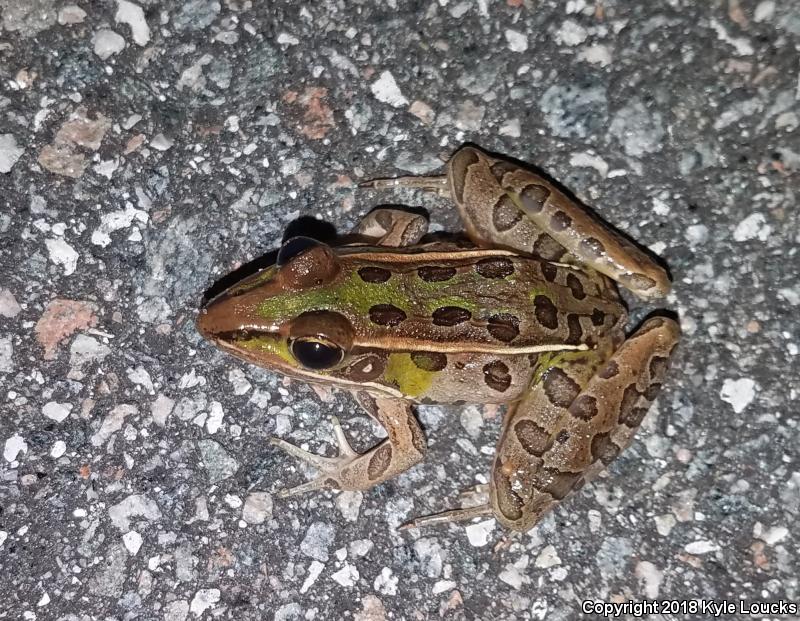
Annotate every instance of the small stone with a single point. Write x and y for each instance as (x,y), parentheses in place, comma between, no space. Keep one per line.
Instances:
(517,41)
(57,411)
(701,547)
(739,393)
(386,582)
(132,541)
(14,446)
(203,600)
(385,89)
(257,508)
(314,570)
(10,152)
(753,226)
(112,423)
(83,131)
(58,449)
(71,14)
(135,505)
(318,539)
(161,143)
(217,461)
(61,319)
(133,15)
(469,116)
(571,33)
(637,129)
(9,307)
(650,577)
(349,504)
(422,111)
(548,557)
(347,576)
(196,14)
(6,355)
(61,253)
(107,43)
(478,534)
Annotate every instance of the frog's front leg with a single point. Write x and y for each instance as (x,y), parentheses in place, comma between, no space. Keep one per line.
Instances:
(579,415)
(404,447)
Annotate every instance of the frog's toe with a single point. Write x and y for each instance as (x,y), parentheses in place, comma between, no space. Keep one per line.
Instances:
(329,467)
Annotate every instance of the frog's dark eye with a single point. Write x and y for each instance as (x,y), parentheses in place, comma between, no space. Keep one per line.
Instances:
(316,354)
(292,247)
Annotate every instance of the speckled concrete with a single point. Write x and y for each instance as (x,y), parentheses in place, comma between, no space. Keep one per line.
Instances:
(148,148)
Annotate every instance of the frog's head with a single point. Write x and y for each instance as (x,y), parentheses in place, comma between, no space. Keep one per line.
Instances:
(284,317)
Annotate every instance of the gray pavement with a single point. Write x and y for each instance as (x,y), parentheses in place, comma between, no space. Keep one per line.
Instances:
(149,148)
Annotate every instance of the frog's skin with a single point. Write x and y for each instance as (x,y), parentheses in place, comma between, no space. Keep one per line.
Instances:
(527,314)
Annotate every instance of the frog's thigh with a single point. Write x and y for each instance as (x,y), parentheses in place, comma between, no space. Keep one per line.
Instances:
(404,446)
(392,227)
(575,421)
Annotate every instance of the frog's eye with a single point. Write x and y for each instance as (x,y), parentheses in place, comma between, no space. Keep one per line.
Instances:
(292,247)
(316,354)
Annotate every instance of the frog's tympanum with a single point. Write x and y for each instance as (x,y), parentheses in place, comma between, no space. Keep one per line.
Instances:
(525,312)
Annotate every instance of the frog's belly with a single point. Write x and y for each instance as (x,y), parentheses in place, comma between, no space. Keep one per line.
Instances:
(480,378)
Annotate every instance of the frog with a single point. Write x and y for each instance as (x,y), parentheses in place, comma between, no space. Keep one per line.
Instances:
(523,310)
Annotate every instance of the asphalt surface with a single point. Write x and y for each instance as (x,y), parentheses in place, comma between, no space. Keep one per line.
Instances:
(147,149)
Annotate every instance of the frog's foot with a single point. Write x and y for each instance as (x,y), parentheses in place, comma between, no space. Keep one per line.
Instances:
(444,517)
(333,470)
(438,184)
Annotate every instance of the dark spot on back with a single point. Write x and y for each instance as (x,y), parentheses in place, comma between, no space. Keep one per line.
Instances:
(508,501)
(562,436)
(652,391)
(500,168)
(495,267)
(533,438)
(637,281)
(450,316)
(658,367)
(548,248)
(549,271)
(576,286)
(598,317)
(604,449)
(496,376)
(366,368)
(574,329)
(555,482)
(560,388)
(560,221)
(504,327)
(584,407)
(533,197)
(374,274)
(436,273)
(629,398)
(379,461)
(593,248)
(506,214)
(609,370)
(546,312)
(429,360)
(386,315)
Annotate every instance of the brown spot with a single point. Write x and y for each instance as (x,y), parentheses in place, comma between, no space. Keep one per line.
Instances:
(575,331)
(533,197)
(379,461)
(562,436)
(459,171)
(332,483)
(610,370)
(506,214)
(560,388)
(635,417)
(591,247)
(436,273)
(629,398)
(450,316)
(546,312)
(533,438)
(555,482)
(374,274)
(598,317)
(604,449)
(417,437)
(560,221)
(637,281)
(496,376)
(584,407)
(658,367)
(508,501)
(495,267)
(366,368)
(500,168)
(652,391)
(549,271)
(576,286)
(548,248)
(386,315)
(429,360)
(504,327)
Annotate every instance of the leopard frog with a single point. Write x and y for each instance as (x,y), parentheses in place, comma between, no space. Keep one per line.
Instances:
(525,311)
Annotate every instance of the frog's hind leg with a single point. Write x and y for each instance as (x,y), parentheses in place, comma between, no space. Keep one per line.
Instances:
(393,228)
(349,470)
(582,411)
